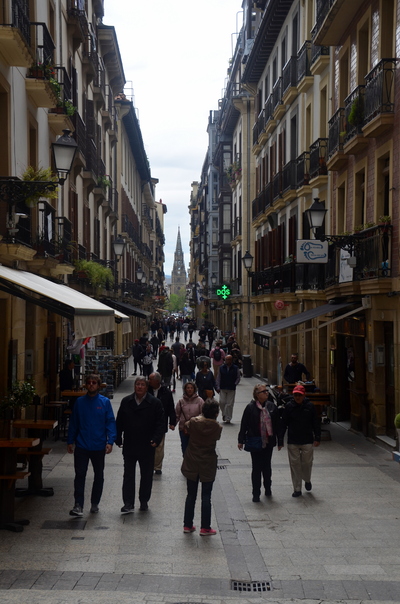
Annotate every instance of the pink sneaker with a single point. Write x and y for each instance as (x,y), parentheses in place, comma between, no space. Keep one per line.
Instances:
(210,531)
(189,529)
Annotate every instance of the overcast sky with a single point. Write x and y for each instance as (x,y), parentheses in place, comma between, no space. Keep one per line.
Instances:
(176,55)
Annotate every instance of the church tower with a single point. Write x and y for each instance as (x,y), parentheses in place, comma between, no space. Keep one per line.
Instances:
(178,275)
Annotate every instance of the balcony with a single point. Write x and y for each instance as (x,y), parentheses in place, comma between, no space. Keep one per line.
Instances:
(319,59)
(237,228)
(310,277)
(99,85)
(318,157)
(331,15)
(277,188)
(289,81)
(289,185)
(337,159)
(274,280)
(303,174)
(373,250)
(379,98)
(305,78)
(270,120)
(354,140)
(258,129)
(77,22)
(15,36)
(262,202)
(90,56)
(278,108)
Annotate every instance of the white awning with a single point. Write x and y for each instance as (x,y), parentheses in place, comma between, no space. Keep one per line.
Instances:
(125,320)
(91,317)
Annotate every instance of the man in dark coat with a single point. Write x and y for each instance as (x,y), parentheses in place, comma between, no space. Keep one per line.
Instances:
(294,371)
(140,429)
(165,365)
(304,433)
(164,394)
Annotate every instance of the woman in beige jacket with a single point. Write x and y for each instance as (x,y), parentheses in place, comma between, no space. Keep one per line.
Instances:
(187,407)
(200,464)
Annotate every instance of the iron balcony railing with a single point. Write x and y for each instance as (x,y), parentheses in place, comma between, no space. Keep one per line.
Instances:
(274,280)
(128,227)
(269,108)
(310,276)
(289,180)
(258,126)
(322,9)
(20,19)
(289,75)
(277,94)
(304,61)
(373,253)
(318,157)
(379,89)
(262,201)
(277,186)
(303,170)
(79,133)
(354,112)
(91,157)
(336,132)
(318,51)
(44,45)
(236,227)
(62,78)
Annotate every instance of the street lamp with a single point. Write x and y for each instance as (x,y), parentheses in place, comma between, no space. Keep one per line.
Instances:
(119,247)
(203,282)
(139,274)
(64,150)
(213,279)
(316,214)
(248,262)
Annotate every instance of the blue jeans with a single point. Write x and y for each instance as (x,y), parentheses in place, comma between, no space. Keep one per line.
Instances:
(184,441)
(206,488)
(81,462)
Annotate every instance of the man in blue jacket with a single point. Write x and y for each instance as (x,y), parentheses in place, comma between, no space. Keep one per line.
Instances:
(93,431)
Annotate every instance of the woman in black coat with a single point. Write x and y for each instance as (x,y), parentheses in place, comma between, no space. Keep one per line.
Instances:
(261,418)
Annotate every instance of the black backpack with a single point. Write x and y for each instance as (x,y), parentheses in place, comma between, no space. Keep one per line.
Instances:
(217,354)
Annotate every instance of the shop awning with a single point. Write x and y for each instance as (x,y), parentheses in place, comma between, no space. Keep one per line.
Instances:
(91,317)
(124,319)
(128,309)
(262,334)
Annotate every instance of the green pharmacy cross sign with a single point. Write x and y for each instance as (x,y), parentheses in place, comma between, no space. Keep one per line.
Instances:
(224,292)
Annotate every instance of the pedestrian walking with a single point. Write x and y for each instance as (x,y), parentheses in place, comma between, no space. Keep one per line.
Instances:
(300,419)
(137,354)
(147,360)
(91,435)
(140,429)
(200,465)
(205,381)
(160,391)
(187,407)
(227,380)
(165,364)
(294,371)
(218,356)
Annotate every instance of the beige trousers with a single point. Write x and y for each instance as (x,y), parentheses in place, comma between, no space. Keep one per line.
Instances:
(159,455)
(300,461)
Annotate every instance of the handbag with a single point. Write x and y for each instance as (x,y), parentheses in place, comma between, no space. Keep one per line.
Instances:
(253,443)
(209,393)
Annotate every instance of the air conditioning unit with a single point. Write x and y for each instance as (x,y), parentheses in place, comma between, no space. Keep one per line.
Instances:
(366,302)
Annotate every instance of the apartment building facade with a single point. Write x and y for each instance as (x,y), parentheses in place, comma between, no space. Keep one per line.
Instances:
(60,68)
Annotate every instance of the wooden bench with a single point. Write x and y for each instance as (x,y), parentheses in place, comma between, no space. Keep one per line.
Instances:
(13,477)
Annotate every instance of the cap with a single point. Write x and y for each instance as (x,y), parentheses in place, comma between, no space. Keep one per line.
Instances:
(136,341)
(300,389)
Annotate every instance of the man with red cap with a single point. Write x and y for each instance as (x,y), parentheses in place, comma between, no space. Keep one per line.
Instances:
(304,433)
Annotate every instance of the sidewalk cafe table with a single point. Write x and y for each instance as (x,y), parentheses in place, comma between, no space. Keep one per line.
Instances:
(8,476)
(36,429)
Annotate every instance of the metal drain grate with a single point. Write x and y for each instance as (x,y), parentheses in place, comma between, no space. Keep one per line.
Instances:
(221,467)
(257,586)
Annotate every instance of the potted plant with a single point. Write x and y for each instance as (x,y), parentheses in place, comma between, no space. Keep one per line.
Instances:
(40,174)
(356,115)
(70,109)
(99,276)
(397,426)
(385,219)
(19,396)
(104,181)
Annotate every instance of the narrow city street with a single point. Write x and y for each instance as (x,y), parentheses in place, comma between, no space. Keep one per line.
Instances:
(337,543)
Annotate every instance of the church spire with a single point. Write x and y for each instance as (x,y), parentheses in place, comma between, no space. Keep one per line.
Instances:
(178,275)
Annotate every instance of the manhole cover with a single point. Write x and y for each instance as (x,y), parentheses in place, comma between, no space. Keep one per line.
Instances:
(66,525)
(254,586)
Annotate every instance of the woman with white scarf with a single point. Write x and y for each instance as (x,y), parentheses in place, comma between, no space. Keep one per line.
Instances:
(261,424)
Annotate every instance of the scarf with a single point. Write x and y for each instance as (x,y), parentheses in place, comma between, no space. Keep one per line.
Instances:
(265,424)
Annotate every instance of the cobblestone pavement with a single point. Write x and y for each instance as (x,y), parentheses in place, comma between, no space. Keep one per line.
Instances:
(337,543)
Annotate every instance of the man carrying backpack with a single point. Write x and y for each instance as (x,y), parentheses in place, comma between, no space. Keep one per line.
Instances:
(218,356)
(227,380)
